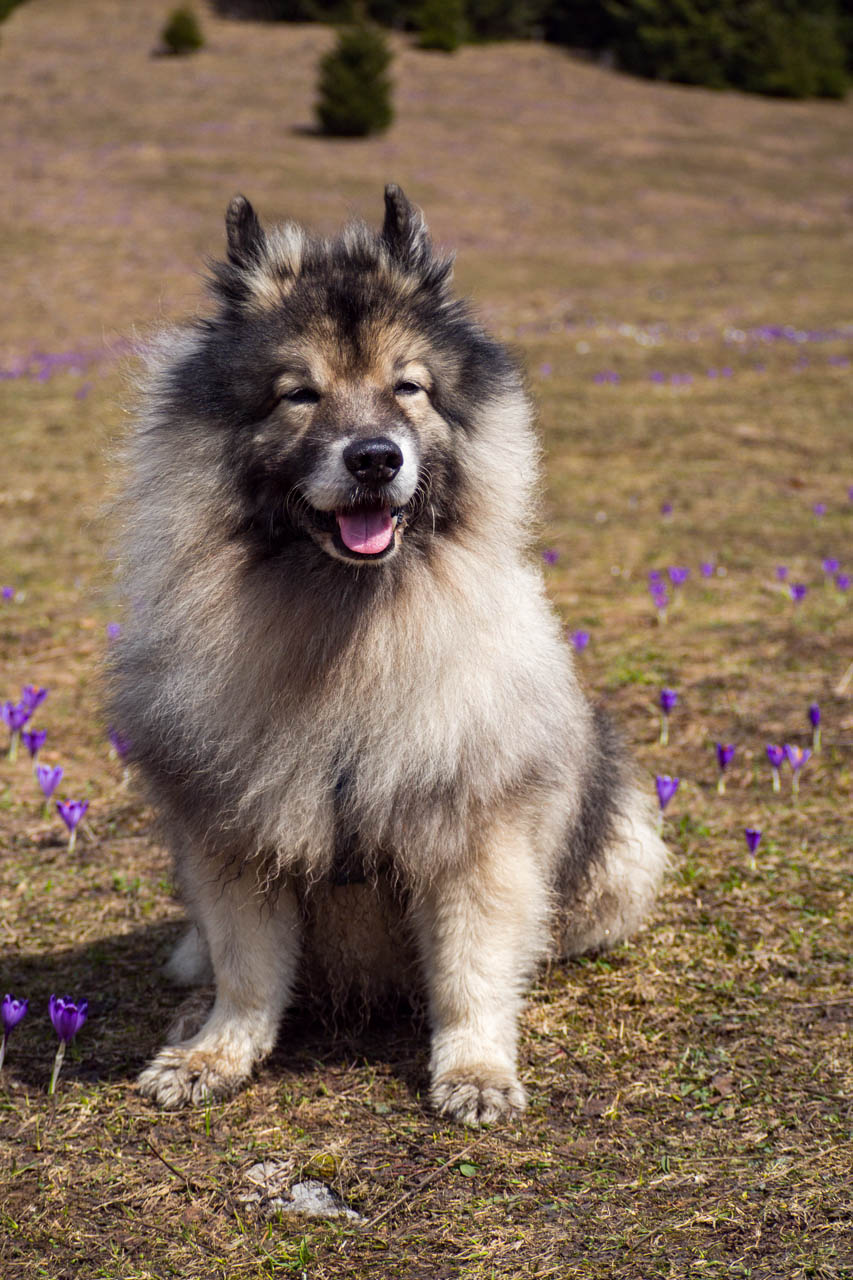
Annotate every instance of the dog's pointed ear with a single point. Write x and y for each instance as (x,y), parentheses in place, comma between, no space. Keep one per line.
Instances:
(246,239)
(404,230)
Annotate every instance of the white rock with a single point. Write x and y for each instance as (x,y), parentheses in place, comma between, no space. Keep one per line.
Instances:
(270,1192)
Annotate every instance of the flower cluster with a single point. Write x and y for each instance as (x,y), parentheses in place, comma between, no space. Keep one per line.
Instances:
(17,714)
(67,1016)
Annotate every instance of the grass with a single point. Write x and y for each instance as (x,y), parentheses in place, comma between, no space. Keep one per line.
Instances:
(689,1094)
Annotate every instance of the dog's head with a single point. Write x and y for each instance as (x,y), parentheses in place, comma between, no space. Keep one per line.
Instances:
(348,383)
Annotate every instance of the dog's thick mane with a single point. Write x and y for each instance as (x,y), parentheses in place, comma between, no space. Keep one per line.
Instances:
(267,679)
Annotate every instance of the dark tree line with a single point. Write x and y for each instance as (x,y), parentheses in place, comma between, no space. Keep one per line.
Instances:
(787,48)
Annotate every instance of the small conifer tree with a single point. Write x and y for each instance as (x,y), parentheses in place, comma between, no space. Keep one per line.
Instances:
(441,24)
(182,33)
(354,88)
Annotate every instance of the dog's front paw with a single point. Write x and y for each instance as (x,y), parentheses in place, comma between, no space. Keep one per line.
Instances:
(181,1075)
(480,1095)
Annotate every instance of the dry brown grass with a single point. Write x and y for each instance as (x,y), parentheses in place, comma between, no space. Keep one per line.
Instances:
(690,1095)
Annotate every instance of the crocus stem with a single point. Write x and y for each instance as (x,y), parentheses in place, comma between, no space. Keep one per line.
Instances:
(13,746)
(795,783)
(777,781)
(72,840)
(721,785)
(664,730)
(816,739)
(57,1063)
(3,1049)
(660,823)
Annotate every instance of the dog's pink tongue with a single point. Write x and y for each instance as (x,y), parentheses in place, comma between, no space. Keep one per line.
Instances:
(367,531)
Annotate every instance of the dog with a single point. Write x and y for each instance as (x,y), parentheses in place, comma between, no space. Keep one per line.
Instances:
(346,694)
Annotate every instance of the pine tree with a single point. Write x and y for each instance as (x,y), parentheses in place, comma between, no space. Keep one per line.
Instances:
(182,33)
(441,24)
(354,88)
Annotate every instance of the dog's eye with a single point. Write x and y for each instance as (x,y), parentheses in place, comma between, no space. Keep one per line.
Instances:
(407,388)
(302,395)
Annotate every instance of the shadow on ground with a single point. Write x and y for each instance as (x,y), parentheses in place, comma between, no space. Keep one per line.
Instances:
(131,1005)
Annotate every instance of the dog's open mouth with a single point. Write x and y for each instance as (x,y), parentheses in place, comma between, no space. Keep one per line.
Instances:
(365,531)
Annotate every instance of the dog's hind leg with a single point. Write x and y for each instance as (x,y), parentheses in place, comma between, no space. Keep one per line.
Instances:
(189,964)
(481,932)
(254,942)
(620,886)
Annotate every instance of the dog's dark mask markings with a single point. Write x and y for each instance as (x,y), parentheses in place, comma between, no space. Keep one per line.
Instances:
(318,351)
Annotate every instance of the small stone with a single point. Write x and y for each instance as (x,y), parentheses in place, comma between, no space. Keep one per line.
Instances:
(318,1201)
(270,1193)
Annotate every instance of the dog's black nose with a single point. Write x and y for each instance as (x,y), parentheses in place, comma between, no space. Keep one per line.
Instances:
(374,461)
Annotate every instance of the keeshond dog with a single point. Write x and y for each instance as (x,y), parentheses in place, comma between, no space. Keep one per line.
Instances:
(344,688)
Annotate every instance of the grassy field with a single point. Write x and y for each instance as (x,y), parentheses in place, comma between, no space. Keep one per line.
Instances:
(673,267)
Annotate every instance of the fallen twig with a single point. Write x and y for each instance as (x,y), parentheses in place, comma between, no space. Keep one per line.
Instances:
(423,1182)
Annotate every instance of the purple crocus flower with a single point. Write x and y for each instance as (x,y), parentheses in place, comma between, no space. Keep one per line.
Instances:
(798,591)
(819,508)
(660,598)
(15,715)
(11,1013)
(814,721)
(842,581)
(796,757)
(666,508)
(678,575)
(580,640)
(48,779)
(71,812)
(753,840)
(113,630)
(8,593)
(775,755)
(781,573)
(830,565)
(119,743)
(668,699)
(32,697)
(545,370)
(707,568)
(666,789)
(725,755)
(550,556)
(67,1017)
(34,741)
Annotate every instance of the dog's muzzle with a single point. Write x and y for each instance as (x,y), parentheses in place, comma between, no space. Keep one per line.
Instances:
(361,496)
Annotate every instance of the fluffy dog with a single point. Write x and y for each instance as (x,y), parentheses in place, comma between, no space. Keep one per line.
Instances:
(344,689)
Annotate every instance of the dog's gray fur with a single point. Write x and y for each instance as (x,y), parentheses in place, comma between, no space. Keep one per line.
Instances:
(377,769)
